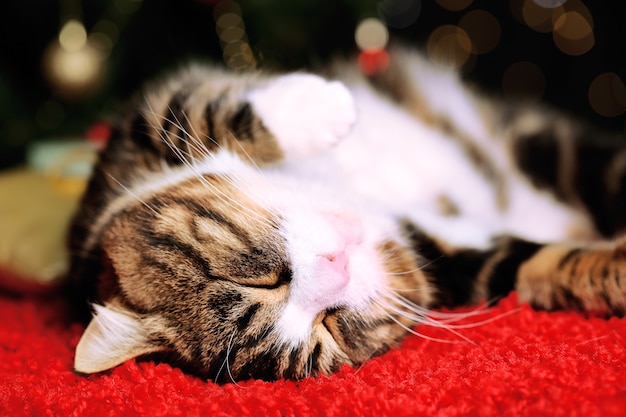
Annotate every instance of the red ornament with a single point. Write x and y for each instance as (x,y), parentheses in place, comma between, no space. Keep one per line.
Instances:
(99,134)
(373,61)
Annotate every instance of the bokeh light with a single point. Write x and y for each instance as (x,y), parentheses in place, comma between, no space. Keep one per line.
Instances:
(73,63)
(516,9)
(371,33)
(539,18)
(107,28)
(229,20)
(549,4)
(607,95)
(454,5)
(104,36)
(572,25)
(371,36)
(72,36)
(127,6)
(73,73)
(523,80)
(449,45)
(483,29)
(232,34)
(570,22)
(231,30)
(573,34)
(574,6)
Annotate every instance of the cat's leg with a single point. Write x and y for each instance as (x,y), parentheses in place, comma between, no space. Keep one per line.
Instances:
(590,278)
(586,277)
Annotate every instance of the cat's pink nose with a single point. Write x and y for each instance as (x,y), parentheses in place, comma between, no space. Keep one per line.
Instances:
(338,262)
(333,270)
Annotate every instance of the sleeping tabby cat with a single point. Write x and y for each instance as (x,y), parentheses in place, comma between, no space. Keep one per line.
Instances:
(278,226)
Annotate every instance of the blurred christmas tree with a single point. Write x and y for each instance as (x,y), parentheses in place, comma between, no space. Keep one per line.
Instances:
(68,64)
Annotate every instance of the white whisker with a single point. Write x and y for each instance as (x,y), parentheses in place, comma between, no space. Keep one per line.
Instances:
(439,315)
(192,166)
(412,271)
(228,350)
(395,305)
(485,321)
(134,195)
(239,185)
(420,319)
(423,336)
(201,148)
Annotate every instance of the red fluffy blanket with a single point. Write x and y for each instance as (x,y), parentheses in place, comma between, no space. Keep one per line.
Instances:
(524,363)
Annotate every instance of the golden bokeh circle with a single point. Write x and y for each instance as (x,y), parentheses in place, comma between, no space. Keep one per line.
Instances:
(538,18)
(549,4)
(454,5)
(574,47)
(607,95)
(572,6)
(484,30)
(74,73)
(524,79)
(516,10)
(573,26)
(449,45)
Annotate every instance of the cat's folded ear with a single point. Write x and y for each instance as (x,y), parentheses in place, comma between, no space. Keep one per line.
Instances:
(113,336)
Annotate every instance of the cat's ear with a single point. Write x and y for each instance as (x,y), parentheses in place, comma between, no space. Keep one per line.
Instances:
(112,337)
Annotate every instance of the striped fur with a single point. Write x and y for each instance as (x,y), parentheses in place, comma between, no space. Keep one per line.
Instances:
(279,226)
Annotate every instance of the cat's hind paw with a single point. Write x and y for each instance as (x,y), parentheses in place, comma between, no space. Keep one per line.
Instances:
(306,113)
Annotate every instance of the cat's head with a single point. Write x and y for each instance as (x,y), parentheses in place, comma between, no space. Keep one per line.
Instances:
(238,281)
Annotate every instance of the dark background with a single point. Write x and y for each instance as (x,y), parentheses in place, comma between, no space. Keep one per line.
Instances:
(150,36)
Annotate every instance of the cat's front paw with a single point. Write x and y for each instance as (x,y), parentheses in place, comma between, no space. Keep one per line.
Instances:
(306,113)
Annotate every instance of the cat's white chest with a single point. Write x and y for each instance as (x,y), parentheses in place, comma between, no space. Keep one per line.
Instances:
(395,159)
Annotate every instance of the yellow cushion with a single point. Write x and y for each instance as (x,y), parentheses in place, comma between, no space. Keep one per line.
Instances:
(35,210)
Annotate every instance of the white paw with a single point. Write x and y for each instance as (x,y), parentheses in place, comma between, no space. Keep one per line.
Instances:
(306,113)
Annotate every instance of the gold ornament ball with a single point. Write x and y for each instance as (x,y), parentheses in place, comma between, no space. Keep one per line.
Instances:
(74,72)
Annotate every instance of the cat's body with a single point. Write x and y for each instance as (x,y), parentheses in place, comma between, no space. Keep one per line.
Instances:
(280,226)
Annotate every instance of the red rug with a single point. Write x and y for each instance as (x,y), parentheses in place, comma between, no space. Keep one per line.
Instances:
(525,363)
